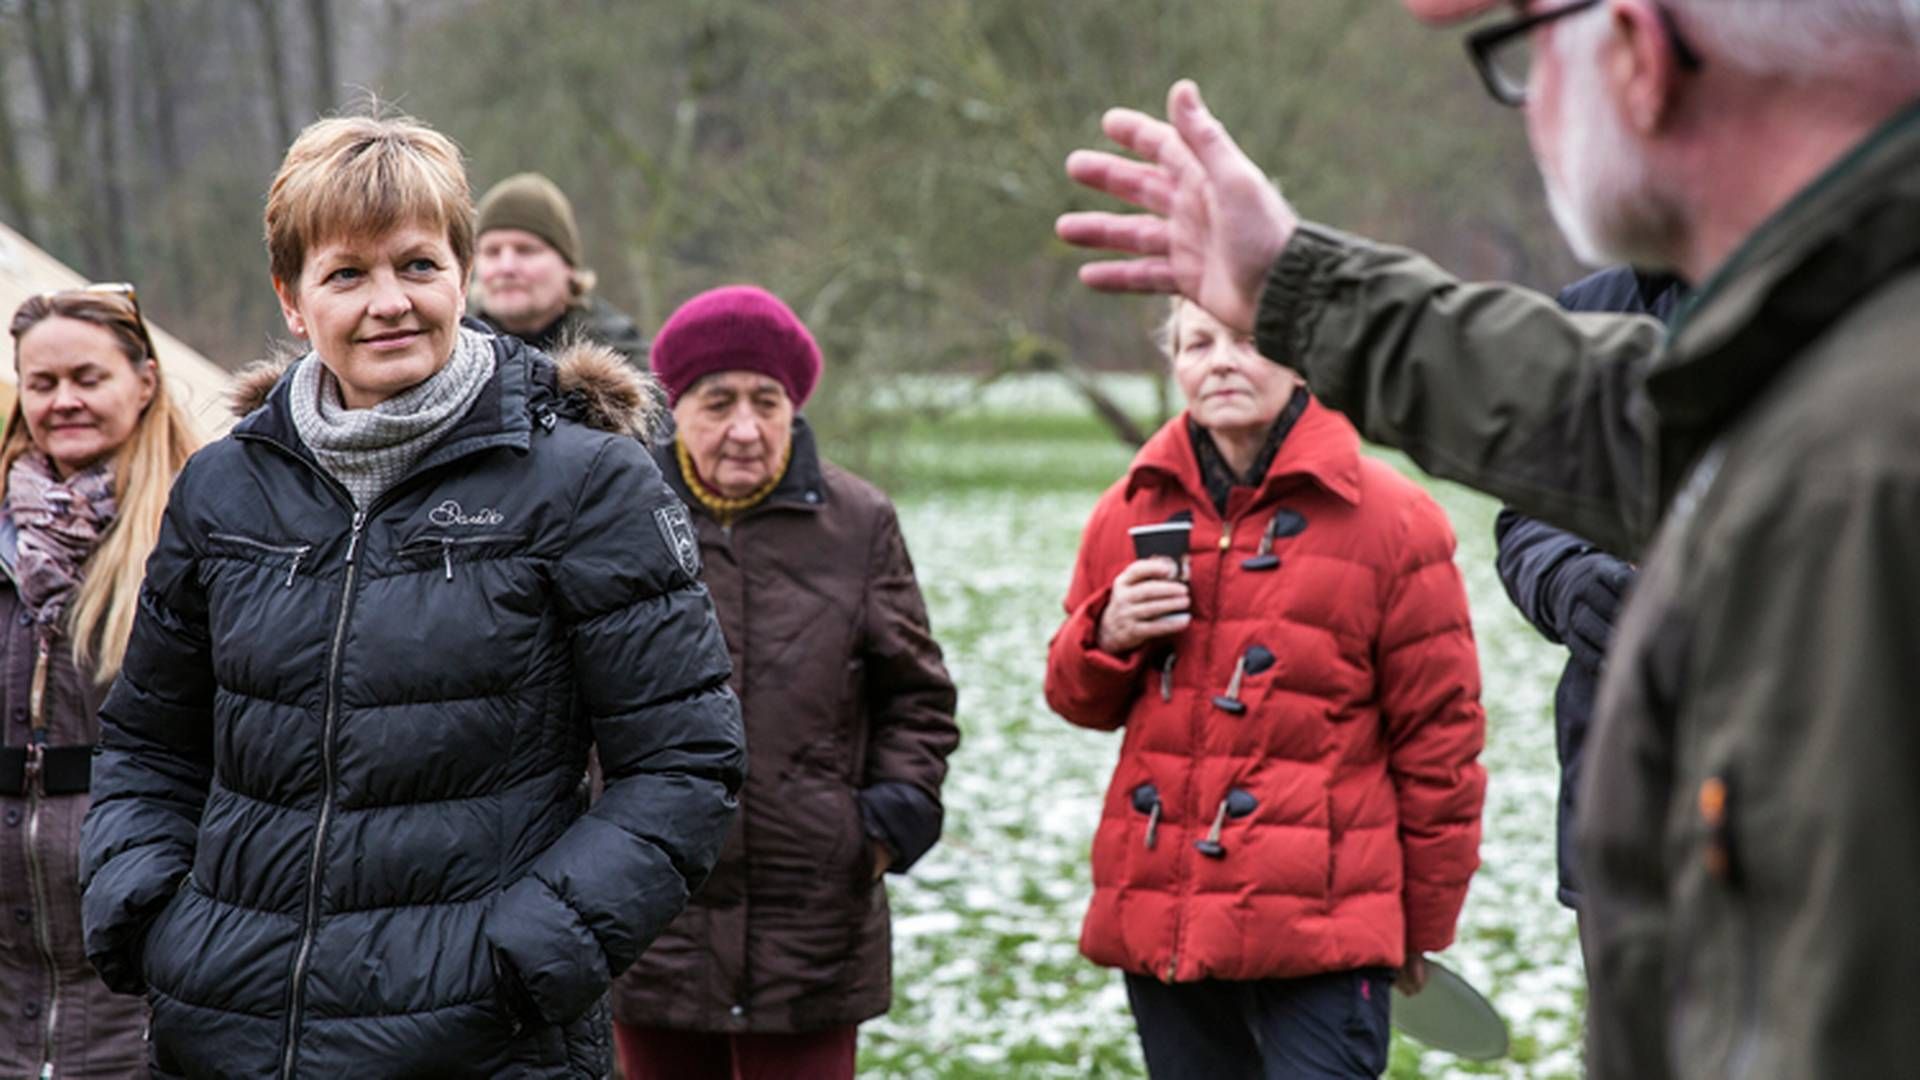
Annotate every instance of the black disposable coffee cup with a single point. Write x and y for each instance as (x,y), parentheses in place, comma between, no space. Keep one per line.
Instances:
(1167,539)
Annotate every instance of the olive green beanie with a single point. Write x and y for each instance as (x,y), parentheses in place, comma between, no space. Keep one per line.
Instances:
(532,202)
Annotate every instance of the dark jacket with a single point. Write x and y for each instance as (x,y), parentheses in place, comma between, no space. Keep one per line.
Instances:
(53,1008)
(1750,888)
(592,319)
(1539,564)
(849,714)
(1343,797)
(338,821)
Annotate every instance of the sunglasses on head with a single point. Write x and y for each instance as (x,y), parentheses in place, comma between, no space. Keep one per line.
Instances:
(124,290)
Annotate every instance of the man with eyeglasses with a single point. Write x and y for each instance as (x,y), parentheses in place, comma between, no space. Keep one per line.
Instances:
(1751,837)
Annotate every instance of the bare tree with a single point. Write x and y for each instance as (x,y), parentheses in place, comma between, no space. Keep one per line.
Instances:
(326,76)
(14,197)
(102,97)
(273,59)
(163,94)
(63,107)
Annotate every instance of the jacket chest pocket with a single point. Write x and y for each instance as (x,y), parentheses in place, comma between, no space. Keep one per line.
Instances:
(449,553)
(290,556)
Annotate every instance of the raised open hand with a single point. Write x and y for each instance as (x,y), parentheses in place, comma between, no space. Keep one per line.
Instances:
(1213,224)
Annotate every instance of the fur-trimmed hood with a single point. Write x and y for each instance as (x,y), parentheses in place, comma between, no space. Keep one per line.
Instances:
(596,386)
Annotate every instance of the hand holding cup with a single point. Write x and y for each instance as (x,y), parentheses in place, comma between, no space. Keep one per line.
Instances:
(1148,601)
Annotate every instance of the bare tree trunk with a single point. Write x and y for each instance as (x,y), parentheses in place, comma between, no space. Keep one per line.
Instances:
(14,198)
(1033,353)
(326,77)
(165,94)
(52,64)
(110,195)
(273,57)
(396,29)
(166,160)
(47,50)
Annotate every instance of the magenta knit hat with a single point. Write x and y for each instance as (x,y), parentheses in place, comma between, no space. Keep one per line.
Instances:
(736,328)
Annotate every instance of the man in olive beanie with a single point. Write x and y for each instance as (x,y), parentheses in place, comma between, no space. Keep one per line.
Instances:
(528,277)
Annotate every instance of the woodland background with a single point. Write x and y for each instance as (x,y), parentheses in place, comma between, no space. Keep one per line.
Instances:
(891,169)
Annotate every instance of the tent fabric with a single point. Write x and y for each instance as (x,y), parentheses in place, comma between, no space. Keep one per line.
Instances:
(198,384)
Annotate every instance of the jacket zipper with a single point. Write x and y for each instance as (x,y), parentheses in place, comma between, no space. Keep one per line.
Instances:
(446,544)
(1333,848)
(298,551)
(326,797)
(360,517)
(1194,724)
(37,882)
(742,990)
(36,875)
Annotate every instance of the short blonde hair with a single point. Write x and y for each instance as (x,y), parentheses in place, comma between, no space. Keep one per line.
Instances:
(365,176)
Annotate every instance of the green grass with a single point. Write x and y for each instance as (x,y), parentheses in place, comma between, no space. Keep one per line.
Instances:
(988,980)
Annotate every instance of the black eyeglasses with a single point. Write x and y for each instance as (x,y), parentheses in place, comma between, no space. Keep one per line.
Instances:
(1503,53)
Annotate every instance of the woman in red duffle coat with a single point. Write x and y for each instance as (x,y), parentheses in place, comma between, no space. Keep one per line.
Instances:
(1296,810)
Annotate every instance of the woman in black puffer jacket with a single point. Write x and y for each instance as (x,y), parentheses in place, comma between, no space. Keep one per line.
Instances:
(338,826)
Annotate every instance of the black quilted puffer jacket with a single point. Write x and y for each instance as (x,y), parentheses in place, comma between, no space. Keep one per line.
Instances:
(338,825)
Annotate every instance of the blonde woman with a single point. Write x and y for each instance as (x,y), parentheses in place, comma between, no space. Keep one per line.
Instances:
(340,826)
(91,448)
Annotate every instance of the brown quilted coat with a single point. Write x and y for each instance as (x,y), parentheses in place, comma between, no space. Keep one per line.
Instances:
(51,1002)
(849,716)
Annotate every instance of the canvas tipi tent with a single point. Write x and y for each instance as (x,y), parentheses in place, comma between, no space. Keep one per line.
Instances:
(196,382)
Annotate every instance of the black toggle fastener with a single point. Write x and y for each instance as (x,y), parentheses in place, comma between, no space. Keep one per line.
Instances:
(1230,701)
(1284,523)
(1211,847)
(1237,804)
(1255,660)
(1146,799)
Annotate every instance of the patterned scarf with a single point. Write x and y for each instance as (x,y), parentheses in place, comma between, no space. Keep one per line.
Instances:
(60,524)
(723,509)
(370,450)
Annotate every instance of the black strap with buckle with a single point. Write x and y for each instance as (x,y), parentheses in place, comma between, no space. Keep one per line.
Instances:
(64,770)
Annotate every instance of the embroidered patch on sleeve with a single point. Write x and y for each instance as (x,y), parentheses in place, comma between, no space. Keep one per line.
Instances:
(676,528)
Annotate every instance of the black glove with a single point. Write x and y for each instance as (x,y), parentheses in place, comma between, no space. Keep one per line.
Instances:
(511,992)
(1586,595)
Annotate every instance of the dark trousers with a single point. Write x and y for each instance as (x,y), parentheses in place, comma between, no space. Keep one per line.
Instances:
(1331,1026)
(665,1054)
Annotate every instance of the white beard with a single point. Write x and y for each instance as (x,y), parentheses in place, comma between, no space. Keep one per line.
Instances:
(1603,194)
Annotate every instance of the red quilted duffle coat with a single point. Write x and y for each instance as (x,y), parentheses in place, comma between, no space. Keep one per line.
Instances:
(1346,789)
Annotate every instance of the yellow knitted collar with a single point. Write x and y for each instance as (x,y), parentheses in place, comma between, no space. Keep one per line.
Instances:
(725,509)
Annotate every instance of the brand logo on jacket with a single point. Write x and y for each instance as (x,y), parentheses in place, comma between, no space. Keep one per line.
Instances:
(450,513)
(676,528)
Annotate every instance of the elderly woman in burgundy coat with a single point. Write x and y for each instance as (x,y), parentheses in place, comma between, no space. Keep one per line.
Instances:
(849,715)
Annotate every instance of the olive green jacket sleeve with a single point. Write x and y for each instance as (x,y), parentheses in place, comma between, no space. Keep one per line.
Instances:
(1491,385)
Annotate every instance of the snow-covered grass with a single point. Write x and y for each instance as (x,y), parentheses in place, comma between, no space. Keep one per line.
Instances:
(988,979)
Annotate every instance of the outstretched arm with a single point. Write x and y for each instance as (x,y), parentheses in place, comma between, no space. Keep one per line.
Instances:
(1490,385)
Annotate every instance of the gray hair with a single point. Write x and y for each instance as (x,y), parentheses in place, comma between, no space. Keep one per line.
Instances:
(1810,38)
(1165,333)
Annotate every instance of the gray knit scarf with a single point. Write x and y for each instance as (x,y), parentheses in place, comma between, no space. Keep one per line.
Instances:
(370,450)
